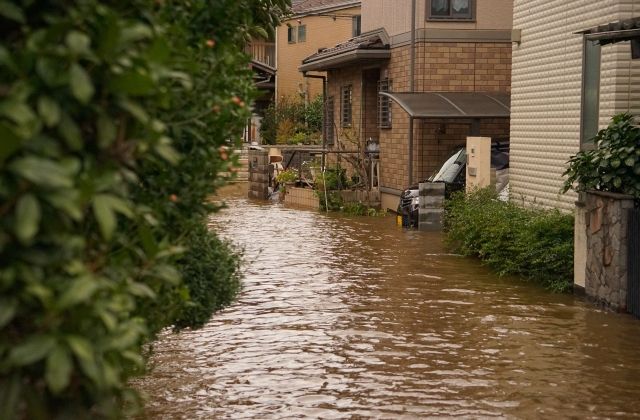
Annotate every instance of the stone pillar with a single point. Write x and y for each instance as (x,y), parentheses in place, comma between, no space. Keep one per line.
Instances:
(606,217)
(430,205)
(258,174)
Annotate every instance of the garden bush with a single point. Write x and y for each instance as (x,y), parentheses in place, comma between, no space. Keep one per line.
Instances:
(533,243)
(613,165)
(292,121)
(112,115)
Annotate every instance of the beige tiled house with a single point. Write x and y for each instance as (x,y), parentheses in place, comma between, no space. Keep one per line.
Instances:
(314,24)
(461,67)
(556,106)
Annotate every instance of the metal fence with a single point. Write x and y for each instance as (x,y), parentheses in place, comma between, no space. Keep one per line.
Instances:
(633,267)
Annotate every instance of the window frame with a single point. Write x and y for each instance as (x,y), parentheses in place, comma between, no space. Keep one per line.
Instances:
(346,106)
(384,104)
(590,103)
(356,25)
(329,121)
(451,17)
(292,34)
(302,33)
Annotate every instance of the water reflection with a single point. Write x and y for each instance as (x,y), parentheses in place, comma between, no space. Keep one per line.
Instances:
(355,318)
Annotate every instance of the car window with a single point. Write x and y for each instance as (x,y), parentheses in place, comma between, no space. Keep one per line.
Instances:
(449,170)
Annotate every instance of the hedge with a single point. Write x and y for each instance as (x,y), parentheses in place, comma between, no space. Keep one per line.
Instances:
(534,243)
(112,115)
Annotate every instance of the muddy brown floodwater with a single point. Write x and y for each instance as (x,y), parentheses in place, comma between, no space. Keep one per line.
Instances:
(352,317)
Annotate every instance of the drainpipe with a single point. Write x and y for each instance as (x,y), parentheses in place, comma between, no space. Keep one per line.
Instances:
(324,113)
(412,86)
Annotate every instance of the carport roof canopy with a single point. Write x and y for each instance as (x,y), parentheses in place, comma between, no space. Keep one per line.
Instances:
(422,105)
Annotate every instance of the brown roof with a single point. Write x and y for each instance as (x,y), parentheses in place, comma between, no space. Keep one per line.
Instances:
(354,48)
(300,7)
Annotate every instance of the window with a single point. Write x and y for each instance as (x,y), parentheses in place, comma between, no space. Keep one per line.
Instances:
(384,104)
(451,9)
(356,22)
(291,34)
(346,94)
(328,121)
(302,33)
(590,94)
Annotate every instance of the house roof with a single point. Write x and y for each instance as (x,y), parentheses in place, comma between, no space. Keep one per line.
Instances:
(421,105)
(305,7)
(372,45)
(622,30)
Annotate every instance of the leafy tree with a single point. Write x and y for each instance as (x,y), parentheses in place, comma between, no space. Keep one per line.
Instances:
(112,115)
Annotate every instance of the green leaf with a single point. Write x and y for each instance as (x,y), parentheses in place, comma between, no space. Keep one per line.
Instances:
(27,218)
(81,347)
(104,208)
(32,350)
(617,182)
(105,216)
(58,371)
(136,32)
(7,61)
(10,395)
(42,172)
(81,85)
(70,132)
(141,290)
(80,291)
(10,142)
(11,11)
(8,309)
(135,110)
(133,83)
(615,163)
(168,153)
(107,131)
(49,111)
(630,161)
(77,42)
(18,112)
(67,201)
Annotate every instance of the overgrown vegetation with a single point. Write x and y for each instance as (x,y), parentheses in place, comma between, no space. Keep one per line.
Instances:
(292,121)
(533,243)
(111,119)
(613,165)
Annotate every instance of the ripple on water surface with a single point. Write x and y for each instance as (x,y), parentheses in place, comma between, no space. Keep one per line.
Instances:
(354,318)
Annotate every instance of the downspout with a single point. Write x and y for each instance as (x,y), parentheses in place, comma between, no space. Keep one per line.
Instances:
(412,85)
(324,113)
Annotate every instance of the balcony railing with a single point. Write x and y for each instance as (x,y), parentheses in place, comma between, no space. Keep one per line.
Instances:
(262,52)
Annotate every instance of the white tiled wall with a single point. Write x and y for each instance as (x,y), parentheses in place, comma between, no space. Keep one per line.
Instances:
(546,86)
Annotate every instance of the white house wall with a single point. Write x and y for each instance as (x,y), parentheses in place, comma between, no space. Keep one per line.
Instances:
(546,90)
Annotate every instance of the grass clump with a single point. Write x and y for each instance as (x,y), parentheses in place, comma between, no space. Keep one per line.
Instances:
(536,244)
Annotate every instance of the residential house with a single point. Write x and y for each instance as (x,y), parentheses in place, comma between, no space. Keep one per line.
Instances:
(263,64)
(564,88)
(419,97)
(314,24)
(570,76)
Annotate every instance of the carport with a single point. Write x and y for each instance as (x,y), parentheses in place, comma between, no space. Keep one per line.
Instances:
(450,105)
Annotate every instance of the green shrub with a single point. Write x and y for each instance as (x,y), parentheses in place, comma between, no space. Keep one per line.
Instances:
(532,243)
(614,164)
(111,119)
(292,121)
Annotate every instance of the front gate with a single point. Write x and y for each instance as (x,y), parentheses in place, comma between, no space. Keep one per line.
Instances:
(633,266)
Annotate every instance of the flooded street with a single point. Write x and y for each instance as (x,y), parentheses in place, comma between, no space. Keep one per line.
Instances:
(352,317)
